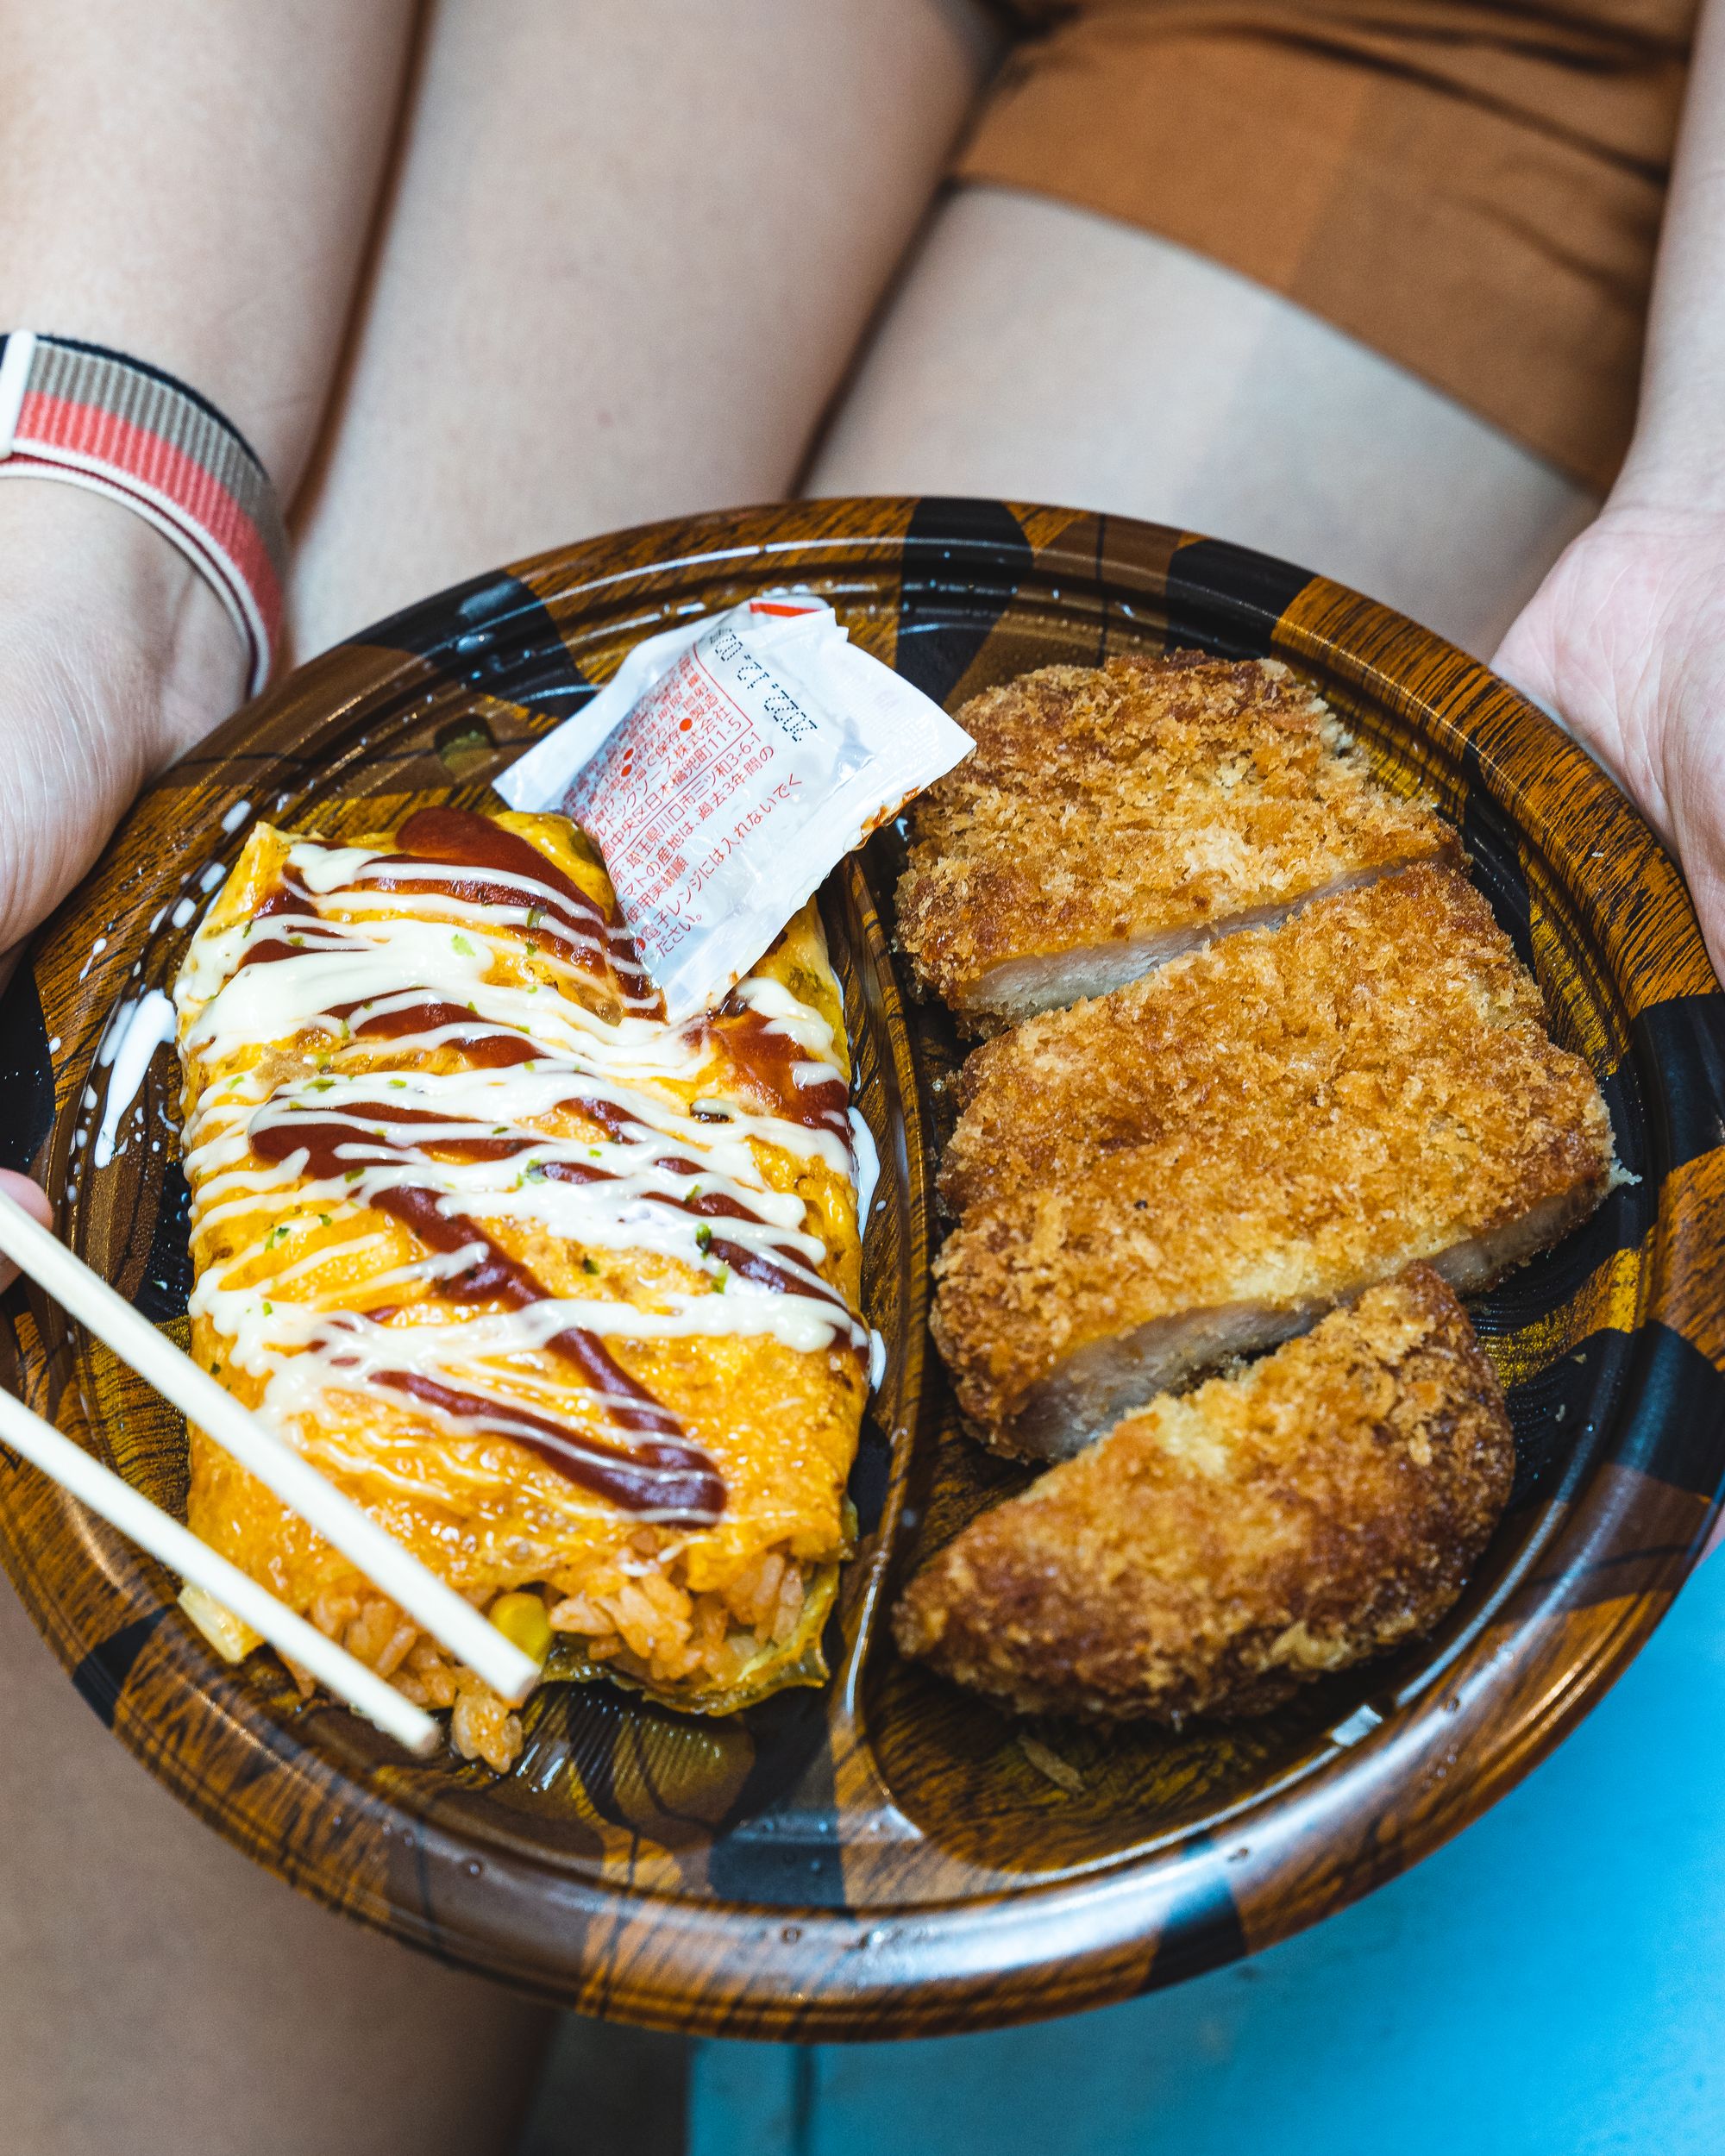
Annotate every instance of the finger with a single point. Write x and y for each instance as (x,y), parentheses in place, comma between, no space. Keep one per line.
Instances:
(35,1201)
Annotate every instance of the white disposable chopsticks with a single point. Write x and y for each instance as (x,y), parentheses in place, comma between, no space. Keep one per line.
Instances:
(147,1525)
(432,1602)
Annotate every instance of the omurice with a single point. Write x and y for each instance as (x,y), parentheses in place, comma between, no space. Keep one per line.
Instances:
(567,1297)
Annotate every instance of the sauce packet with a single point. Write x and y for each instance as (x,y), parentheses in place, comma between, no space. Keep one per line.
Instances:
(724,769)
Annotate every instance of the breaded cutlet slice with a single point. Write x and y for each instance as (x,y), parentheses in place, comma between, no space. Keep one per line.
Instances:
(1111,817)
(1220,1549)
(1204,1163)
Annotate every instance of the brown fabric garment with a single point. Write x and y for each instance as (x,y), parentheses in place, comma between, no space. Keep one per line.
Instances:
(1473,189)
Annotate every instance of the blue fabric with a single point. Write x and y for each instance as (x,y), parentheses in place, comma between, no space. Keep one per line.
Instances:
(1551,1984)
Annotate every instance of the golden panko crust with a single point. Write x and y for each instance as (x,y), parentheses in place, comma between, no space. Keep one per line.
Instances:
(1218,1550)
(1158,797)
(1280,1119)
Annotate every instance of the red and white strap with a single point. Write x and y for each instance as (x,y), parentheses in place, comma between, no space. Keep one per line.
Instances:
(81,413)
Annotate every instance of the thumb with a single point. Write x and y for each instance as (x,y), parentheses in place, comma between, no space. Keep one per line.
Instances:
(1527,658)
(35,1201)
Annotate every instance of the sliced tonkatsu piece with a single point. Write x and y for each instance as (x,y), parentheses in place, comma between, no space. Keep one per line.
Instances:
(1114,817)
(1204,1162)
(1218,1550)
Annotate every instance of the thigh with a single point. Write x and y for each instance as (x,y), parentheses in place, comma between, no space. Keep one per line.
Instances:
(631,247)
(1039,352)
(162,1996)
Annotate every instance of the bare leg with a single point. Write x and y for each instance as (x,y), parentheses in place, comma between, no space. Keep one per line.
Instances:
(1039,352)
(634,246)
(162,1995)
(192,182)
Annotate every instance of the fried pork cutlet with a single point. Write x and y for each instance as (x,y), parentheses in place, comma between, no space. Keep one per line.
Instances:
(1204,1163)
(1217,1551)
(1114,817)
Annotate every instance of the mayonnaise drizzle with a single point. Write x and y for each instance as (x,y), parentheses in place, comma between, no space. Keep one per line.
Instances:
(355,954)
(133,1039)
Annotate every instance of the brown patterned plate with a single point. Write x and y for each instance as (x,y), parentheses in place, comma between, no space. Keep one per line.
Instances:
(889,1856)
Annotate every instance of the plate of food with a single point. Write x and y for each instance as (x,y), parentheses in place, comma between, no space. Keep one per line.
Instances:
(1151,1356)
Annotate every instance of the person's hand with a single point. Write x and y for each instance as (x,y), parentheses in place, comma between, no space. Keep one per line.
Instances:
(1625,640)
(115,656)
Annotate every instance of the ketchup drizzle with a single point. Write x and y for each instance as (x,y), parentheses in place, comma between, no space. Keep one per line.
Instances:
(495,1277)
(320,1134)
(486,1049)
(663,1472)
(468,843)
(291,896)
(768,1058)
(676,1479)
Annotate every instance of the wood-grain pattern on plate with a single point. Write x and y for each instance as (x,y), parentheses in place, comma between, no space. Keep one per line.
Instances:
(889,1856)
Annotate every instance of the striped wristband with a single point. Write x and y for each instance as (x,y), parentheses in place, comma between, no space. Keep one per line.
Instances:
(79,412)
